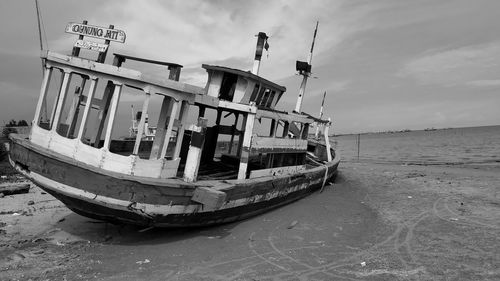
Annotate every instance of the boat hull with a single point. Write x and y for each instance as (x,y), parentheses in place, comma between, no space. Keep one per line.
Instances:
(113,197)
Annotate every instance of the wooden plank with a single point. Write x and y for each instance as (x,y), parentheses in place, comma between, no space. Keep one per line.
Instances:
(123,75)
(277,171)
(9,188)
(269,144)
(283,116)
(210,198)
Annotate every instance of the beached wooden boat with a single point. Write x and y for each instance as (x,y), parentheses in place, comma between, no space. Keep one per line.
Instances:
(220,153)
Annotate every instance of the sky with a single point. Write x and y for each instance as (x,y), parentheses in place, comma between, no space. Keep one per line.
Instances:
(385,64)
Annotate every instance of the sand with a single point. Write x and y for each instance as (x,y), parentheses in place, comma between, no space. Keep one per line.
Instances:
(376,222)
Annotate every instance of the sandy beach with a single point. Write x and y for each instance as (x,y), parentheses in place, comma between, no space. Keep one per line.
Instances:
(376,222)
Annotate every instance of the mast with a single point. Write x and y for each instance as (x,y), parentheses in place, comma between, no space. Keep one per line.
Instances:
(304,69)
(320,115)
(261,43)
(43,115)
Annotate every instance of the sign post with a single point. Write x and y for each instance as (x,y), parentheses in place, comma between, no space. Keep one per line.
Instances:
(107,34)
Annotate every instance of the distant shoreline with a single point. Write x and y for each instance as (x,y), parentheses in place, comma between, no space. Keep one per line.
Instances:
(408,130)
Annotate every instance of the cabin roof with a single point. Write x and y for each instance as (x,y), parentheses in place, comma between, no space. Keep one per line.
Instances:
(169,64)
(246,74)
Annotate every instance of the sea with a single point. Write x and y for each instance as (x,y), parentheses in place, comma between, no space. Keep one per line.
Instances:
(455,146)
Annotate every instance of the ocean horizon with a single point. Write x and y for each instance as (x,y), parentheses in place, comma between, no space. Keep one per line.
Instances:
(450,146)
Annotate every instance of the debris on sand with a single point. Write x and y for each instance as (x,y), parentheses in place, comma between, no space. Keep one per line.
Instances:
(10,188)
(294,223)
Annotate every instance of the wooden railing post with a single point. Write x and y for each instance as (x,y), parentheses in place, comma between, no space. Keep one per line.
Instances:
(195,150)
(114,108)
(88,105)
(43,93)
(60,100)
(327,141)
(245,148)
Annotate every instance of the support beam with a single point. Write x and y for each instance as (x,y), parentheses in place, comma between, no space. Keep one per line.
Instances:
(112,114)
(233,129)
(327,141)
(86,110)
(74,110)
(161,127)
(195,150)
(140,128)
(183,115)
(43,94)
(245,149)
(103,112)
(60,100)
(168,134)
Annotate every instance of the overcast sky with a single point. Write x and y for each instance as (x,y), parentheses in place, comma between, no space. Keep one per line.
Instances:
(385,64)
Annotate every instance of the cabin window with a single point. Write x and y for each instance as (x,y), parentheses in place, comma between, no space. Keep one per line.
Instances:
(97,119)
(126,129)
(280,129)
(169,133)
(228,86)
(72,106)
(49,102)
(264,127)
(255,92)
(270,99)
(260,96)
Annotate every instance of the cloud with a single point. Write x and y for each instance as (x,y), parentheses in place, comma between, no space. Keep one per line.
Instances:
(484,83)
(456,66)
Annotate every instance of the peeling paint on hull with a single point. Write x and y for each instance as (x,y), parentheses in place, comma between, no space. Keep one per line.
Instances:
(165,203)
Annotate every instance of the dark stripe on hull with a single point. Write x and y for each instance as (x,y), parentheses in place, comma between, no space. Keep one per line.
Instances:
(99,212)
(122,188)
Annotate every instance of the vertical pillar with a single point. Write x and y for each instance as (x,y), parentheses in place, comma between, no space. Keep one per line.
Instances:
(327,141)
(104,106)
(168,134)
(72,117)
(103,112)
(60,100)
(88,105)
(233,128)
(43,94)
(112,114)
(161,127)
(180,130)
(245,149)
(195,150)
(140,128)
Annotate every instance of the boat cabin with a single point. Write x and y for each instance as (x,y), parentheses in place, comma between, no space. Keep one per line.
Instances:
(228,130)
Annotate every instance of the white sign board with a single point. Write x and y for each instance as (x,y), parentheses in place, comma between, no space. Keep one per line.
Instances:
(91,46)
(96,32)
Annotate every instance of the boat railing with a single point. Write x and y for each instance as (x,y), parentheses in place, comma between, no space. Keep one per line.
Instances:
(66,130)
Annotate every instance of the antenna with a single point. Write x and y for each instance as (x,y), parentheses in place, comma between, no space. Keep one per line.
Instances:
(304,69)
(43,115)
